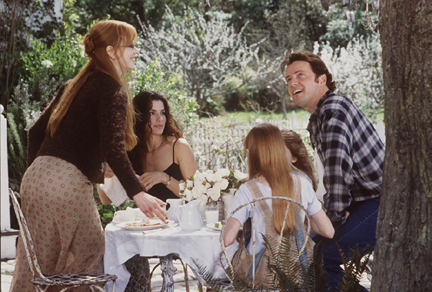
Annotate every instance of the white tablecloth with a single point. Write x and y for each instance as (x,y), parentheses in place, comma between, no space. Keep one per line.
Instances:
(202,246)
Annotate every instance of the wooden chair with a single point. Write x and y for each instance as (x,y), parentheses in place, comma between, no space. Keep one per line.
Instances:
(253,235)
(42,282)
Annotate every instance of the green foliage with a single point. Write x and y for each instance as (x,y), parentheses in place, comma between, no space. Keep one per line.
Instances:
(151,77)
(44,68)
(16,150)
(202,51)
(290,274)
(20,19)
(353,269)
(357,70)
(340,31)
(21,113)
(148,11)
(106,212)
(52,65)
(285,270)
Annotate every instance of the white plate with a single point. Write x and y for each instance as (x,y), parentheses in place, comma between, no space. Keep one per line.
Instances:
(212,226)
(153,225)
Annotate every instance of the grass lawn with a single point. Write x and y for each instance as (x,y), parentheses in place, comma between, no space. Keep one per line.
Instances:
(252,116)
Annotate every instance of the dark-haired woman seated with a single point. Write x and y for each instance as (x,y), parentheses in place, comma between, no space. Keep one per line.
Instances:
(162,158)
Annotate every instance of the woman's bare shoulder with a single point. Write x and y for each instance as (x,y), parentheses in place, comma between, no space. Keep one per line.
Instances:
(183,142)
(183,147)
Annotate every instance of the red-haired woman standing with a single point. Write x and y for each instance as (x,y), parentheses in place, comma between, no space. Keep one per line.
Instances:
(88,124)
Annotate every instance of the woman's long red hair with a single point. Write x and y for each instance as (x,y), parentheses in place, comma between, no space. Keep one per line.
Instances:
(101,35)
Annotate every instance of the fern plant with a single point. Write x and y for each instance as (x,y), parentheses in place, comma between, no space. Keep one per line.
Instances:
(290,274)
(20,115)
(353,269)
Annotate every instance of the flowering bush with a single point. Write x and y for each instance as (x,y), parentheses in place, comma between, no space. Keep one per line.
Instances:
(357,70)
(207,186)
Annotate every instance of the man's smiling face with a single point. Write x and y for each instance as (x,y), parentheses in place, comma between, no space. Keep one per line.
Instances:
(303,86)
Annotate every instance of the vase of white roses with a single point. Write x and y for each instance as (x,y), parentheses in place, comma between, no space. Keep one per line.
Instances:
(210,185)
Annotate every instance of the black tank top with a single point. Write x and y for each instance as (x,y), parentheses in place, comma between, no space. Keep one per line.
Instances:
(160,190)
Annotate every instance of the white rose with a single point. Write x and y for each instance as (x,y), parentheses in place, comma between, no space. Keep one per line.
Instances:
(189,184)
(214,193)
(182,186)
(223,184)
(201,188)
(207,185)
(201,176)
(203,199)
(240,175)
(188,195)
(211,177)
(210,171)
(223,172)
(218,177)
(198,181)
(195,193)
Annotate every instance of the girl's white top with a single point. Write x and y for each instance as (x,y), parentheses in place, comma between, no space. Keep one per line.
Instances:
(243,195)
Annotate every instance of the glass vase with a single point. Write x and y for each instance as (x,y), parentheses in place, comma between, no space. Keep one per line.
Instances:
(212,212)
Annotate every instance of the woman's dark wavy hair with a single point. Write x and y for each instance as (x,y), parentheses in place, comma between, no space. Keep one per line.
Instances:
(143,103)
(318,66)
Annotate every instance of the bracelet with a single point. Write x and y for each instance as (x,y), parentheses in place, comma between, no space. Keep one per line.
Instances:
(169,181)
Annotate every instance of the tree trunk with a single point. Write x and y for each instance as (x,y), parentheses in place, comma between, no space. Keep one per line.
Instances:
(403,253)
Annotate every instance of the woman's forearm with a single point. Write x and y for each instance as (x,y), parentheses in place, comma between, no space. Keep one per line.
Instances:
(322,225)
(103,197)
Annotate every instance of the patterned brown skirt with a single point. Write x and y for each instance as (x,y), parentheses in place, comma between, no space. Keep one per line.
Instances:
(58,204)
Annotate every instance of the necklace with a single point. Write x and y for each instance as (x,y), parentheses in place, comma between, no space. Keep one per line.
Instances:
(151,151)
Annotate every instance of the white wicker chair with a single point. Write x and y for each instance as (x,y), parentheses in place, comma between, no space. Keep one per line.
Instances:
(290,201)
(42,282)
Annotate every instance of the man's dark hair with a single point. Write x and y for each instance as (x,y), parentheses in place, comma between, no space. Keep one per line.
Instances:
(318,66)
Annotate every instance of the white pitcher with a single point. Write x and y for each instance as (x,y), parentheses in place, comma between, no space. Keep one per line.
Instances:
(172,212)
(190,216)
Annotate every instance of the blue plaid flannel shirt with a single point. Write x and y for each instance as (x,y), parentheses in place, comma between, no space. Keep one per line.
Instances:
(351,151)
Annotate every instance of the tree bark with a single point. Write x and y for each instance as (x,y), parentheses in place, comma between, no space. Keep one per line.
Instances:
(403,253)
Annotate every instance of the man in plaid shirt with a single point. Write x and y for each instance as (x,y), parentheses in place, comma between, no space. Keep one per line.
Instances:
(352,154)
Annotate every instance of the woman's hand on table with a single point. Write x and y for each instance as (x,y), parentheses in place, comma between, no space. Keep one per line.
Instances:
(150,206)
(149,179)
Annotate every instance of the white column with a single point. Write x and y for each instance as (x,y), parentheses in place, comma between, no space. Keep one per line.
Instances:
(8,236)
(4,178)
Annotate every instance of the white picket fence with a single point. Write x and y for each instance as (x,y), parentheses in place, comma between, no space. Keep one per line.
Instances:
(216,145)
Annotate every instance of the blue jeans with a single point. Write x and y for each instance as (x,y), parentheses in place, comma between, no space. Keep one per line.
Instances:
(358,231)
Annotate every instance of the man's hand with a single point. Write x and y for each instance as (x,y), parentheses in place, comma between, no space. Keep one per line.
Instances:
(150,206)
